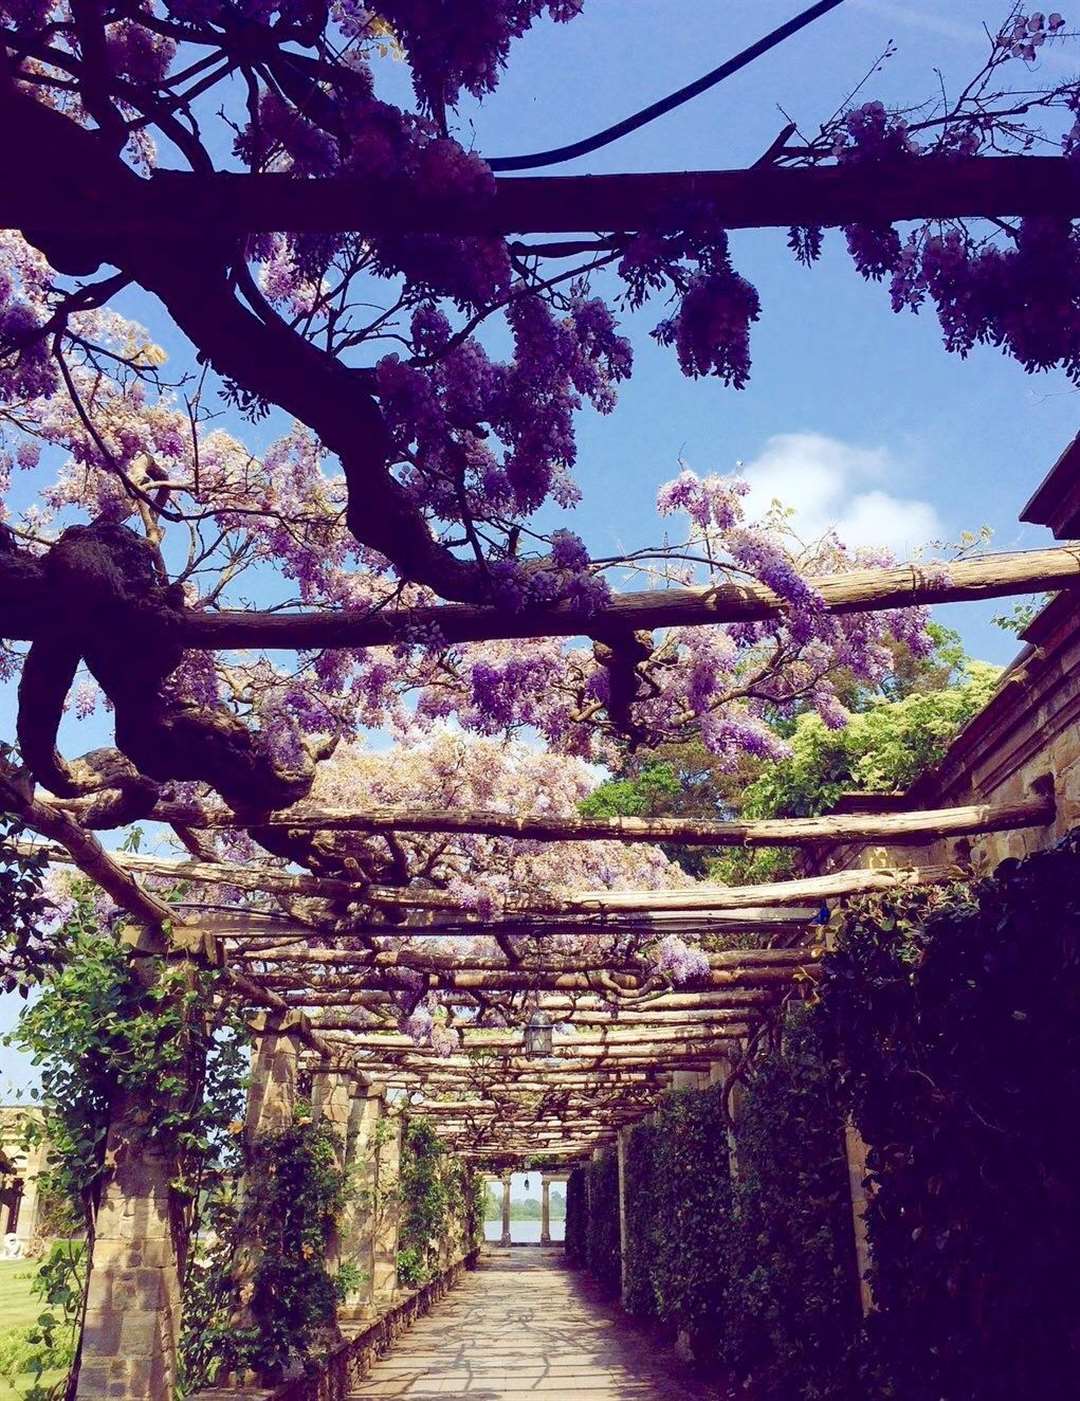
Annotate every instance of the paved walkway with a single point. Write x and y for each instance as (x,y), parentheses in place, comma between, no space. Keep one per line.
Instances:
(523,1323)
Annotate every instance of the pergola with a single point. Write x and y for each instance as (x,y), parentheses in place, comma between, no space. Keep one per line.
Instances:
(306,937)
(335,951)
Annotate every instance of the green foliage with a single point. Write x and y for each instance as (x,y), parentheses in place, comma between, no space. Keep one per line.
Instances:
(1022,614)
(678,1216)
(110,1029)
(435,1189)
(692,1222)
(577,1216)
(26,952)
(641,1219)
(646,794)
(956,1017)
(882,748)
(602,1248)
(23,1358)
(476,1209)
(264,1298)
(793,1308)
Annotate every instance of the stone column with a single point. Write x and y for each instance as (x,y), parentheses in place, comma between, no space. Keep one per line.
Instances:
(505,1239)
(621,1146)
(545,1210)
(132,1322)
(855,1145)
(271,1099)
(331,1101)
(25,1207)
(855,1151)
(719,1073)
(132,1319)
(387,1214)
(357,1229)
(271,1108)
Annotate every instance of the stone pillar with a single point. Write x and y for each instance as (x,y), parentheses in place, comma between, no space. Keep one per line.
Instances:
(621,1146)
(271,1108)
(505,1239)
(545,1210)
(854,1144)
(25,1207)
(387,1213)
(132,1319)
(132,1322)
(331,1101)
(855,1151)
(357,1229)
(271,1099)
(719,1074)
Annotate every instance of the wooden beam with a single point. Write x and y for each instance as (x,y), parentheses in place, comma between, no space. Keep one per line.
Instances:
(182,206)
(893,828)
(792,892)
(855,591)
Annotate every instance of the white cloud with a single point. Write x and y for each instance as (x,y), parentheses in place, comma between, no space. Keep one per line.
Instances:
(836,485)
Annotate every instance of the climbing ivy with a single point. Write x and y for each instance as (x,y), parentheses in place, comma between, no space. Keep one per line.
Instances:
(27,949)
(793,1308)
(440,1196)
(692,1192)
(112,1028)
(262,1297)
(602,1250)
(955,1019)
(577,1216)
(642,1224)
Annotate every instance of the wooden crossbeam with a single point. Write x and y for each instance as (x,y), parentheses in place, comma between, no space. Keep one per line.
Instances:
(180,206)
(855,591)
(698,897)
(894,828)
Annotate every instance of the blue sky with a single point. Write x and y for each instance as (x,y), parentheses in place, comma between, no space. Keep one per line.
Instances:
(854,414)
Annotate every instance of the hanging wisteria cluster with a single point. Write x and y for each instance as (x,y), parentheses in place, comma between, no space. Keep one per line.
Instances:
(375,421)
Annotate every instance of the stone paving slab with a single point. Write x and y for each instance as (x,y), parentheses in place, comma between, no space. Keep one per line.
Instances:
(523,1325)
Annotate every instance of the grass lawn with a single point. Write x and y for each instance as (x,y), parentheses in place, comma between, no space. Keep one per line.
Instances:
(18,1307)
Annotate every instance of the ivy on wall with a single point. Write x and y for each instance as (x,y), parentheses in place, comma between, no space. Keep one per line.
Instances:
(602,1250)
(793,1306)
(692,1216)
(955,1017)
(438,1196)
(266,1299)
(639,1297)
(577,1216)
(947,1024)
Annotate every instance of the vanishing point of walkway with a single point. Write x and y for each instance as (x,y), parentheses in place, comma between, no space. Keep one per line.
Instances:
(524,1324)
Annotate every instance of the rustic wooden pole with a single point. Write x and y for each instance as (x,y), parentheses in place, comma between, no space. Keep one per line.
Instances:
(182,205)
(897,827)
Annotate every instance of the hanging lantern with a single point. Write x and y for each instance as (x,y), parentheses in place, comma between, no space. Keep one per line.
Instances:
(538,1035)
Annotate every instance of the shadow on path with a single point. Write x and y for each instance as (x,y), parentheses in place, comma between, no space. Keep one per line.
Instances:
(523,1324)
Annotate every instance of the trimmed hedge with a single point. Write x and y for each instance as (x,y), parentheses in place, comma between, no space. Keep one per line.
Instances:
(957,1018)
(602,1245)
(793,1300)
(577,1216)
(678,1217)
(947,1025)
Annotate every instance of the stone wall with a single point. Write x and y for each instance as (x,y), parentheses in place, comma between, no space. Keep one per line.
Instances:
(1024,743)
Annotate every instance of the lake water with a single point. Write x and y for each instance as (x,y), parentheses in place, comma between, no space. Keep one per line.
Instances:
(523,1232)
